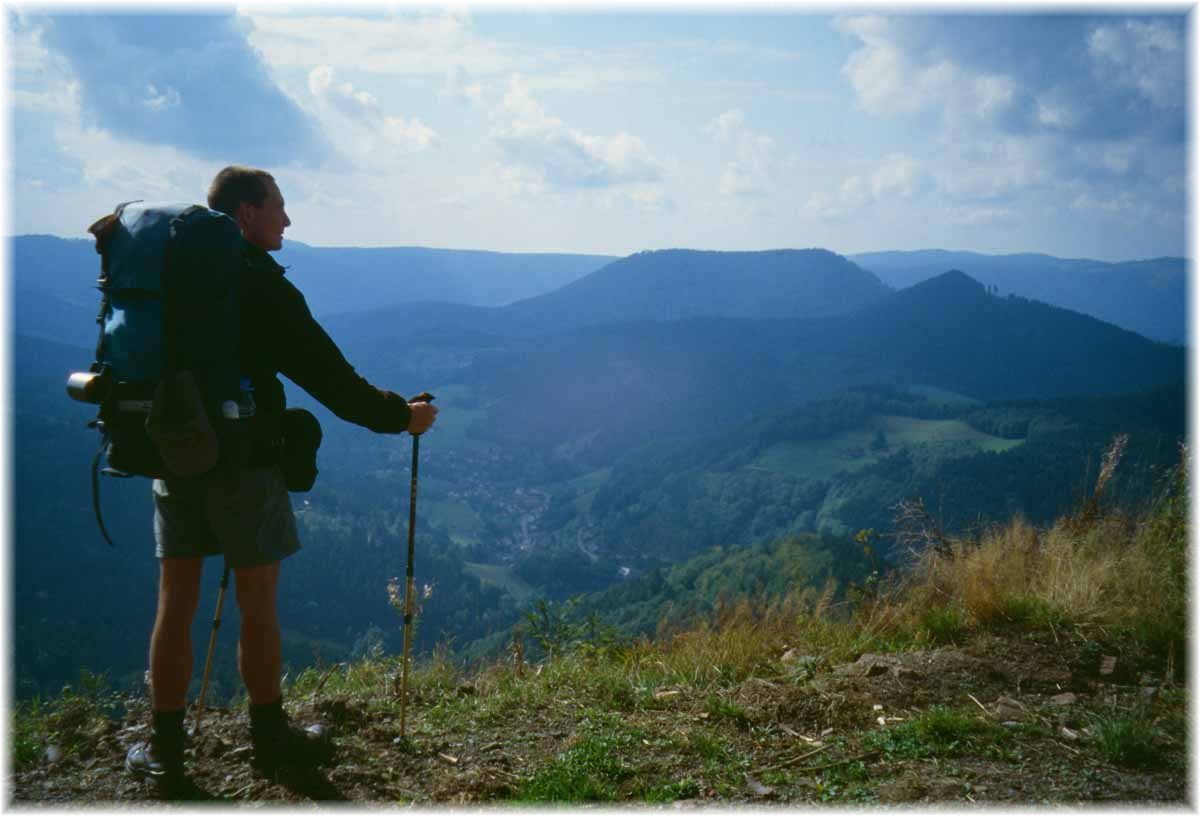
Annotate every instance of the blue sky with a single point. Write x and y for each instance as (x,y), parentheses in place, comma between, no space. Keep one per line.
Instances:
(560,129)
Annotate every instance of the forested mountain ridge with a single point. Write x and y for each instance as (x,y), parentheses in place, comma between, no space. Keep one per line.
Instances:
(1147,296)
(664,286)
(947,332)
(675,284)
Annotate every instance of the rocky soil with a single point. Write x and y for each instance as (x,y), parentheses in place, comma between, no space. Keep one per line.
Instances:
(1030,713)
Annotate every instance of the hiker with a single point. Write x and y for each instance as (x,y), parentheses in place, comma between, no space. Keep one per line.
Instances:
(246,515)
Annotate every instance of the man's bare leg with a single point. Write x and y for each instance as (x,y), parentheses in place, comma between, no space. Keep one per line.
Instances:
(259,652)
(161,757)
(171,640)
(276,742)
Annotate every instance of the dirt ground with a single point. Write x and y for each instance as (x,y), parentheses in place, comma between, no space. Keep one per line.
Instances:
(786,742)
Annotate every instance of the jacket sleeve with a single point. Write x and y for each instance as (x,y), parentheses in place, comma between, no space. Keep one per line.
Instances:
(310,358)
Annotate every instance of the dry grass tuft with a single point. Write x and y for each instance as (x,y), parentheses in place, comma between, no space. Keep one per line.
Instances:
(1101,573)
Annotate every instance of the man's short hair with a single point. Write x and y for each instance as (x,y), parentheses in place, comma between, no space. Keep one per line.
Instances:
(237,185)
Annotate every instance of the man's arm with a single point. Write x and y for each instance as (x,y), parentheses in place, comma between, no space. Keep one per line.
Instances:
(310,358)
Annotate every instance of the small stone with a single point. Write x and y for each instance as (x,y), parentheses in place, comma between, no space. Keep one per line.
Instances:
(1064,699)
(757,788)
(1108,665)
(53,753)
(905,789)
(870,665)
(1008,708)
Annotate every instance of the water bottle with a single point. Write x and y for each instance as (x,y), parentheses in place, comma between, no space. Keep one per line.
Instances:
(246,406)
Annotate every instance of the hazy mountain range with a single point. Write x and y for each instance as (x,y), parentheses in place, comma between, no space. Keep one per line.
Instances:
(52,281)
(1146,296)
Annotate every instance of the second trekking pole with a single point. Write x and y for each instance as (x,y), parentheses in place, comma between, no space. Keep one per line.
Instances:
(212,642)
(409,590)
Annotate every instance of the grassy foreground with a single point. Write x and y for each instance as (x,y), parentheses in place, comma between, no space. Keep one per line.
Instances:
(1023,666)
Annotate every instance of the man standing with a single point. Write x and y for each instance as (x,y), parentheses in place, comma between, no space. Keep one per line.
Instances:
(246,515)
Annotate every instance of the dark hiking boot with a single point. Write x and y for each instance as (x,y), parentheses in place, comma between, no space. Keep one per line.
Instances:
(279,745)
(159,759)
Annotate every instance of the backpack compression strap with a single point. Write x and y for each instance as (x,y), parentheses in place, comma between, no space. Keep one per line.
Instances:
(96,488)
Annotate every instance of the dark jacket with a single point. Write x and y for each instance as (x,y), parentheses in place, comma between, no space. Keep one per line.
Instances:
(280,336)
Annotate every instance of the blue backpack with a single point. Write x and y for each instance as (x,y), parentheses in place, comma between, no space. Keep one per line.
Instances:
(167,374)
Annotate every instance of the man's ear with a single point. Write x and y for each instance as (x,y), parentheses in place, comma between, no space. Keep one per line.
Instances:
(244,215)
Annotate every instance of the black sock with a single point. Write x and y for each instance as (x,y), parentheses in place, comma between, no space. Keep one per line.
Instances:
(265,717)
(168,725)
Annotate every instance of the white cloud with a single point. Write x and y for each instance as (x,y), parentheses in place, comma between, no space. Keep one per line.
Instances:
(1056,110)
(997,167)
(881,74)
(1141,56)
(421,45)
(726,126)
(158,100)
(356,120)
(897,177)
(750,173)
(1059,112)
(981,216)
(891,79)
(543,151)
(460,86)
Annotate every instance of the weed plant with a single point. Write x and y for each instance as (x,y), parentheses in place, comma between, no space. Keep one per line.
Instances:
(1129,738)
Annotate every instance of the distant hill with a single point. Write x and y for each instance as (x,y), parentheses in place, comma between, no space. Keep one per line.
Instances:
(349,279)
(678,283)
(55,296)
(662,286)
(1146,296)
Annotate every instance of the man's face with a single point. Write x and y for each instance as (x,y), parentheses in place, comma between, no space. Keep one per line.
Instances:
(263,225)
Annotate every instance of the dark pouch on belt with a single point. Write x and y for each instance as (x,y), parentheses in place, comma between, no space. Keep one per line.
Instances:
(179,427)
(298,460)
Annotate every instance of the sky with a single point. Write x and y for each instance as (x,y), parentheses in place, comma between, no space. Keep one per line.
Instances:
(566,129)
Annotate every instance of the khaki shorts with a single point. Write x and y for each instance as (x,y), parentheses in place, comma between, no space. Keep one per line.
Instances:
(245,516)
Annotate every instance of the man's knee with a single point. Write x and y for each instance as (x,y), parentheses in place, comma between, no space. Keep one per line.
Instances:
(256,590)
(178,589)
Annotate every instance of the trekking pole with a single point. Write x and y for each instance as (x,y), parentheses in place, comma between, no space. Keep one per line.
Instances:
(409,590)
(212,643)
